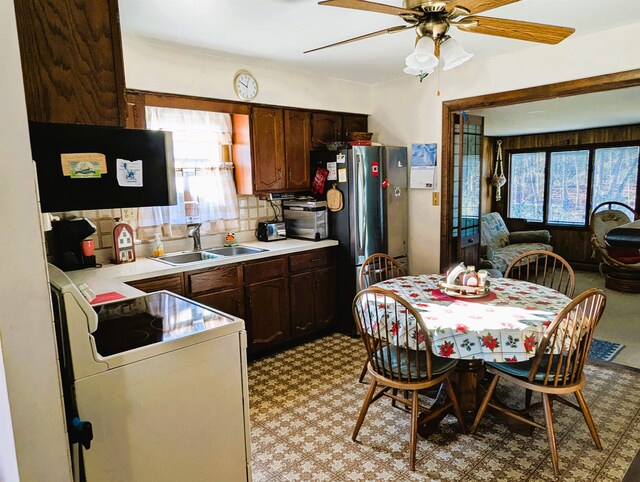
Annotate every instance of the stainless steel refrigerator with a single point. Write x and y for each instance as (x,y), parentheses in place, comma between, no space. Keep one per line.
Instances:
(373,181)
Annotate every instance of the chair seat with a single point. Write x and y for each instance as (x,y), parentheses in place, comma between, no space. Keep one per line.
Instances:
(521,369)
(439,365)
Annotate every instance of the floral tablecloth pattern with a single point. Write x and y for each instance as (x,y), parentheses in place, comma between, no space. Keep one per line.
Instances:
(505,329)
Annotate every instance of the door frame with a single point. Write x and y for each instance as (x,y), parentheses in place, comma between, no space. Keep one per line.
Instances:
(600,83)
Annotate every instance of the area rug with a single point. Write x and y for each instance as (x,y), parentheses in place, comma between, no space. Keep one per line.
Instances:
(604,350)
(304,403)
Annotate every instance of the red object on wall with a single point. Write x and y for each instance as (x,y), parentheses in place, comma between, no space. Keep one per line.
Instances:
(375,170)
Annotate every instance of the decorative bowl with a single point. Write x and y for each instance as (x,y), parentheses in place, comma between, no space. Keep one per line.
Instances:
(360,136)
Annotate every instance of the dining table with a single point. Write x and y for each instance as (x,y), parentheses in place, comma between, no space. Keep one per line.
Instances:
(505,325)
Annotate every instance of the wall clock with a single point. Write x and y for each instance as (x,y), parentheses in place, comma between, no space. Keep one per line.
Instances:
(245,85)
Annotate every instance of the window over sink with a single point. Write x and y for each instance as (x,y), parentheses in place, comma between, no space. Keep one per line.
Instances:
(205,185)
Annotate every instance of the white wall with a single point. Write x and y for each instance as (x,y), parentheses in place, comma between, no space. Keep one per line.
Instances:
(32,437)
(405,111)
(162,67)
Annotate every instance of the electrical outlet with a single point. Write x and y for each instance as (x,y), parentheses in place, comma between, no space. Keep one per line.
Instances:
(129,214)
(435,198)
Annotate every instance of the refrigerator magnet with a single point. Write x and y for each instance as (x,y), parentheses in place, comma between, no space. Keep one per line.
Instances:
(341,158)
(342,174)
(333,171)
(129,173)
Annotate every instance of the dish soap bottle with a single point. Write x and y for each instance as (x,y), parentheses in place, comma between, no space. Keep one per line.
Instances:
(158,247)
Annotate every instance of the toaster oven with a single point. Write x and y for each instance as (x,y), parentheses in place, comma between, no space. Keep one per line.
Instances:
(271,231)
(306,219)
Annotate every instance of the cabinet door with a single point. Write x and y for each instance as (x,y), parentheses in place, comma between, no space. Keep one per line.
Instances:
(325,297)
(267,138)
(173,283)
(297,144)
(267,313)
(229,301)
(325,128)
(301,288)
(72,64)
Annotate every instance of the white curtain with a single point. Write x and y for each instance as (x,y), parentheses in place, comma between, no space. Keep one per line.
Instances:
(205,186)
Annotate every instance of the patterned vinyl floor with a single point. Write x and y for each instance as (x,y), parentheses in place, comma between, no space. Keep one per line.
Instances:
(304,403)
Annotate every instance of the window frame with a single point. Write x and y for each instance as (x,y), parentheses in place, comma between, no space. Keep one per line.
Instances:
(547,150)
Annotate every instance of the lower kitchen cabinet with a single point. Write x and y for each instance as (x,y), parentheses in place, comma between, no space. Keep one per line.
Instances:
(267,314)
(230,301)
(313,296)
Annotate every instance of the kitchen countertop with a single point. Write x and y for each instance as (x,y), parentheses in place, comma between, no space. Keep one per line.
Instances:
(113,277)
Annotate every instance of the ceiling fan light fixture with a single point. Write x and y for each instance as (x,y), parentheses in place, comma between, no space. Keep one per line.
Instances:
(417,72)
(452,54)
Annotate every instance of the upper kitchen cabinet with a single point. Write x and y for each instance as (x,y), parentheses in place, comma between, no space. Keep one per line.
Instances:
(72,63)
(280,149)
(332,127)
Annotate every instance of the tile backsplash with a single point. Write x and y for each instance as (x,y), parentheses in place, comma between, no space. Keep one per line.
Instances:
(250,209)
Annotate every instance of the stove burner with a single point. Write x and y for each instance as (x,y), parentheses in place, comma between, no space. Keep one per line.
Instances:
(121,342)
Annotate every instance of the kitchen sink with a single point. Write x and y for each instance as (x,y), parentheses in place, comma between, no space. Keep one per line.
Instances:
(189,257)
(234,250)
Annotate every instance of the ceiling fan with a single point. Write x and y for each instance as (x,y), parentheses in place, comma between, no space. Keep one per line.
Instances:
(432,19)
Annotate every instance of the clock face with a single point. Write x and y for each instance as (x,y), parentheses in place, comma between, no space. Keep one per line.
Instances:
(245,85)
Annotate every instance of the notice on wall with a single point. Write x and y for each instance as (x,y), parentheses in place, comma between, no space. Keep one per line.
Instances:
(84,162)
(129,173)
(423,166)
(332,167)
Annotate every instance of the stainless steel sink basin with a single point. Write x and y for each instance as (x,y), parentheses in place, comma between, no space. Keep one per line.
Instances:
(234,250)
(189,257)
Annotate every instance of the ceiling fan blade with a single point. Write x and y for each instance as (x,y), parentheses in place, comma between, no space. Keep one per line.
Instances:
(477,6)
(399,28)
(370,7)
(516,29)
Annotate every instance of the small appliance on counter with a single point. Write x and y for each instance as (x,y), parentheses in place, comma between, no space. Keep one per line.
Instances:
(271,231)
(306,218)
(67,244)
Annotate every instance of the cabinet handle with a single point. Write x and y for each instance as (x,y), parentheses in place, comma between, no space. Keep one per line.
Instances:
(289,173)
(238,305)
(250,302)
(315,260)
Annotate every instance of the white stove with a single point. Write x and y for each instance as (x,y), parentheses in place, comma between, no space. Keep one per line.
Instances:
(163,381)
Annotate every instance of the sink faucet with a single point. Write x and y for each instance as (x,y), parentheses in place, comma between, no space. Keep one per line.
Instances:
(193,231)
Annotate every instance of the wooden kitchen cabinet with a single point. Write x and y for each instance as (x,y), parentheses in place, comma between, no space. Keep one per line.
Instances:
(313,291)
(219,287)
(280,149)
(173,283)
(266,303)
(332,127)
(72,63)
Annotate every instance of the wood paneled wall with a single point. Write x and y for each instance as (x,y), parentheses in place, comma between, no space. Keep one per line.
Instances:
(572,243)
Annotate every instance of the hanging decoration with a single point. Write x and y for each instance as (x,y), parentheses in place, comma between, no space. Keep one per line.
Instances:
(498,180)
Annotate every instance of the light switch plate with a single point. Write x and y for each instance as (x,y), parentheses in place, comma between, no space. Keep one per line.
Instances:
(435,198)
(129,214)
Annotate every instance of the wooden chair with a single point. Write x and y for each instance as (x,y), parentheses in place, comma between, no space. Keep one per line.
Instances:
(543,268)
(394,366)
(377,267)
(556,369)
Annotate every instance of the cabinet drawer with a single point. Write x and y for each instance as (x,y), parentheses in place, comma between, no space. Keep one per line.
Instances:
(217,278)
(264,270)
(173,283)
(311,259)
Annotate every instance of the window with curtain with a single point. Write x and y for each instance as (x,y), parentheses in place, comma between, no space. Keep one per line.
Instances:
(205,185)
(558,186)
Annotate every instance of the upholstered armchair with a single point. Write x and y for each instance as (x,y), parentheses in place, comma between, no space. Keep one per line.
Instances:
(498,246)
